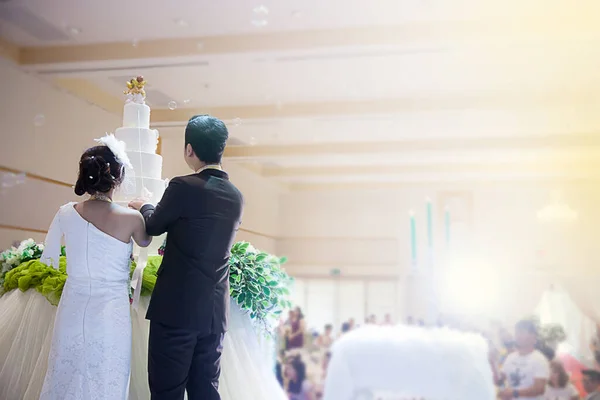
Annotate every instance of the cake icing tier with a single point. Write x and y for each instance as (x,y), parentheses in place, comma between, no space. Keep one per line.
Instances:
(136,115)
(133,187)
(148,165)
(138,139)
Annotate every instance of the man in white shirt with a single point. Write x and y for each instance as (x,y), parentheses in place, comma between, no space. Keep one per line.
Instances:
(526,370)
(591,384)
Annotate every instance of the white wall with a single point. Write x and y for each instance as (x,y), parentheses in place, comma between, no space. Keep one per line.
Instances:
(365,234)
(51,149)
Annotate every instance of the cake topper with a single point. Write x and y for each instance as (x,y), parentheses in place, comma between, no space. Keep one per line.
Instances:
(135,90)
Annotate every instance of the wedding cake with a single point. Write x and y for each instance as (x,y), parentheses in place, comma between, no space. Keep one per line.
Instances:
(145,178)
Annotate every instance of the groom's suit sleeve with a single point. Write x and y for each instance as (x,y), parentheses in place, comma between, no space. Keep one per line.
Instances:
(159,218)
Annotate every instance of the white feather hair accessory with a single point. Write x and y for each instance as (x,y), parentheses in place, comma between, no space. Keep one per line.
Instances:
(117,147)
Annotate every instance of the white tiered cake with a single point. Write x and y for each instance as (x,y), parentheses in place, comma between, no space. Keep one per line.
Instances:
(145,179)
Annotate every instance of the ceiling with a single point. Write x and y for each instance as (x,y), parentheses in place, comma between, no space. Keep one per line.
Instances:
(315,92)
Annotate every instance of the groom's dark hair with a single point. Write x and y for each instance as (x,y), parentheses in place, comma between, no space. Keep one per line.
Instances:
(208,136)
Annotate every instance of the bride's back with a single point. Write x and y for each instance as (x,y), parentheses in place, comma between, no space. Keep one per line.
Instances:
(95,242)
(116,221)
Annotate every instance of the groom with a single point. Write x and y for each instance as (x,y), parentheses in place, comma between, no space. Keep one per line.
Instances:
(190,303)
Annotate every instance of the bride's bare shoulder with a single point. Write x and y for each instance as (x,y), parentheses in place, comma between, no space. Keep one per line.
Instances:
(126,212)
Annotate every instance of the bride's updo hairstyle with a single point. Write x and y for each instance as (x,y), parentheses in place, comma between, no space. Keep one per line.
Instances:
(99,171)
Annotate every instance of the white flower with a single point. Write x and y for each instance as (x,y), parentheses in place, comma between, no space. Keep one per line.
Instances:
(41,246)
(13,260)
(251,249)
(25,244)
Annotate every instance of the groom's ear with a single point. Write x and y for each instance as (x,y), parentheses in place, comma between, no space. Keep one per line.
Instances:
(189,151)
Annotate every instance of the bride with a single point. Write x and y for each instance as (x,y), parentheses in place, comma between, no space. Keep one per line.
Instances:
(92,346)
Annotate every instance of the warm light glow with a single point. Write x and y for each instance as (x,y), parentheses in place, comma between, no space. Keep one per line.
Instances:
(470,289)
(557,211)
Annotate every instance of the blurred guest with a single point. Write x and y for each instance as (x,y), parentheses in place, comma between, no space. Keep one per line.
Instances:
(595,345)
(371,320)
(320,386)
(591,384)
(527,370)
(325,339)
(421,322)
(351,324)
(410,320)
(559,387)
(345,328)
(297,330)
(279,367)
(507,344)
(440,322)
(387,320)
(295,383)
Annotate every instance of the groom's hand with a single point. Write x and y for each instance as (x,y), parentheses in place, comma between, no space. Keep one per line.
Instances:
(136,204)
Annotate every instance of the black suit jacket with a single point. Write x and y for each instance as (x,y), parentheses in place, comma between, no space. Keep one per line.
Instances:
(201,214)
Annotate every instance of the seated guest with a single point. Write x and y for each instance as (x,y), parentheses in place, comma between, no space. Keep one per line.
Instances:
(559,387)
(351,324)
(295,383)
(387,320)
(320,386)
(526,370)
(279,367)
(591,384)
(345,329)
(325,340)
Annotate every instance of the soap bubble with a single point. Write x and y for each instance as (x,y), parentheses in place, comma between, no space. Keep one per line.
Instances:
(10,179)
(261,10)
(39,120)
(186,101)
(253,141)
(259,23)
(237,121)
(200,46)
(172,105)
(20,178)
(135,42)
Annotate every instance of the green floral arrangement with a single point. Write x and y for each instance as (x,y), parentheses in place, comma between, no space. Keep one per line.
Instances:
(15,256)
(257,281)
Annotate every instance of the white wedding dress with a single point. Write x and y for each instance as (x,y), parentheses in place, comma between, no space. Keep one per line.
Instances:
(99,348)
(91,346)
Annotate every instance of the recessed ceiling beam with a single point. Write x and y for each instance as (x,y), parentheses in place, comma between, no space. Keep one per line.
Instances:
(472,184)
(540,27)
(553,168)
(390,106)
(584,142)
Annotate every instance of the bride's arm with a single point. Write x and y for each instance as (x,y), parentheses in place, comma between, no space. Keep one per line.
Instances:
(51,254)
(139,232)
